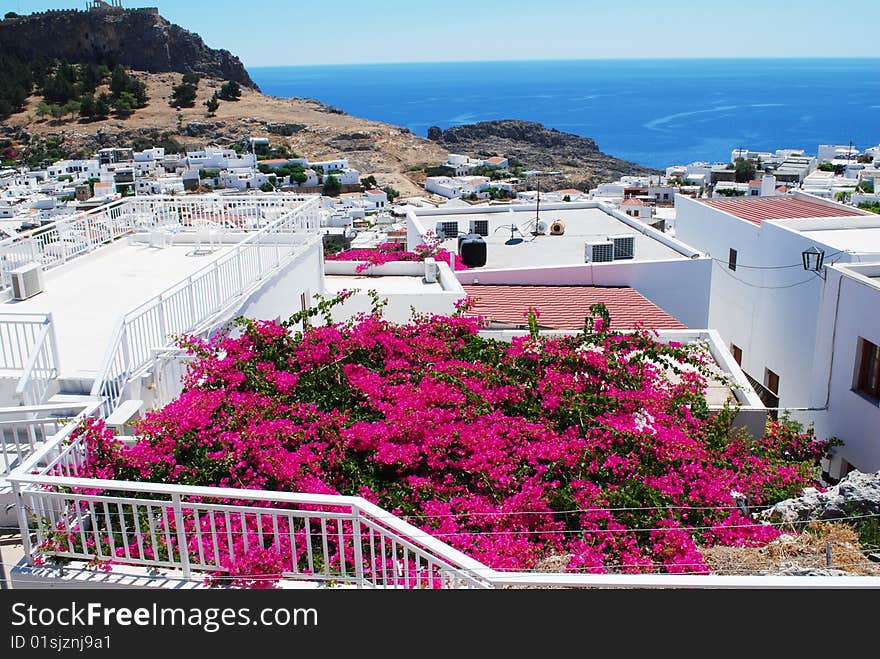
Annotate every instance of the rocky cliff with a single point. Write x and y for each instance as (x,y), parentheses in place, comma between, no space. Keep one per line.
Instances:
(137,38)
(538,147)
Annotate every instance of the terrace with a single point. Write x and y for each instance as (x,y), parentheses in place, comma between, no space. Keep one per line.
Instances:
(124,279)
(510,242)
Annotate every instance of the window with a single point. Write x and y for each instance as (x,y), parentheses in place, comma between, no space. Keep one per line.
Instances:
(731,259)
(868,364)
(771,381)
(737,353)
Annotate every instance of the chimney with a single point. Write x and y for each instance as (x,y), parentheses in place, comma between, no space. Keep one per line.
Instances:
(768,185)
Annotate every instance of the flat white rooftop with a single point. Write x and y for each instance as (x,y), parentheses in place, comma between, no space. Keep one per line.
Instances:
(384,285)
(87,295)
(581,225)
(857,240)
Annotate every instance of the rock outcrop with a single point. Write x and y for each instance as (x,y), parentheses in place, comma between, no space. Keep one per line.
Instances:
(857,494)
(538,147)
(137,38)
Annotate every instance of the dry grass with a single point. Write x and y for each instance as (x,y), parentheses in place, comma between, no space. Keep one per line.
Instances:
(387,152)
(807,550)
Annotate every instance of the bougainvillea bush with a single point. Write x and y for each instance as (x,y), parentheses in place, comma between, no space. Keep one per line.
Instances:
(599,447)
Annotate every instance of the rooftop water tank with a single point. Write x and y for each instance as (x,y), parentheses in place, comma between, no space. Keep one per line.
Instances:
(472,250)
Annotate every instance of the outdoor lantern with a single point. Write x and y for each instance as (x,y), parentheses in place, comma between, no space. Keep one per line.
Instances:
(814,259)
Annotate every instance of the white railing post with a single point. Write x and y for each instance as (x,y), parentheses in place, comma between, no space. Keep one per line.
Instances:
(162,320)
(238,257)
(23,526)
(182,548)
(358,549)
(53,343)
(218,295)
(191,295)
(126,356)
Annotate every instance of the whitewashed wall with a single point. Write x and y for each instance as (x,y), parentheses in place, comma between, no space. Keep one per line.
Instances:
(847,316)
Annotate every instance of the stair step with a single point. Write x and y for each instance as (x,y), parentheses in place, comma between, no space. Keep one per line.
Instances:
(73,399)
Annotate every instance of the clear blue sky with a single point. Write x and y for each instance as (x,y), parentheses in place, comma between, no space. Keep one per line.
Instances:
(280,33)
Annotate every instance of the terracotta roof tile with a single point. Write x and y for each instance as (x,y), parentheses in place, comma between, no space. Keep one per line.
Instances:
(565,307)
(758,209)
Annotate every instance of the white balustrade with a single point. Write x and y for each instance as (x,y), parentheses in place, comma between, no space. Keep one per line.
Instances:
(186,306)
(19,334)
(26,430)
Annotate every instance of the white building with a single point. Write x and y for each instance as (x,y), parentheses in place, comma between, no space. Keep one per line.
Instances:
(376,198)
(764,303)
(846,375)
(829,152)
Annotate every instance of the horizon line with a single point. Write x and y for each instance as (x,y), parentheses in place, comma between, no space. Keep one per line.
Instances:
(578,59)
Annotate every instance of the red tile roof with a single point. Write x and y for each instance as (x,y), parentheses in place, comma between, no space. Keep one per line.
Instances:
(632,201)
(495,159)
(758,209)
(565,307)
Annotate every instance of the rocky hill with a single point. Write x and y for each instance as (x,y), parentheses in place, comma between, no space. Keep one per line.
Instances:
(137,38)
(307,127)
(538,147)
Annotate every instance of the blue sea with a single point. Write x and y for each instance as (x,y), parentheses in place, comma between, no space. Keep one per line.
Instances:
(654,112)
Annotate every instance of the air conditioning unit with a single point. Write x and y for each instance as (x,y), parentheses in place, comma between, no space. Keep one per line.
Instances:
(599,252)
(624,246)
(160,239)
(480,227)
(27,281)
(446,230)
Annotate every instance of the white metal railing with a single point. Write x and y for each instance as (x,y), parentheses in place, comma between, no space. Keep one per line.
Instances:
(190,303)
(26,430)
(207,529)
(18,336)
(195,531)
(41,368)
(169,368)
(56,243)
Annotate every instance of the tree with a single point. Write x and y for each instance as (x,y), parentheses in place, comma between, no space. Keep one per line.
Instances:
(118,80)
(369,182)
(125,104)
(183,96)
(88,105)
(212,104)
(745,170)
(72,107)
(391,192)
(826,167)
(230,91)
(102,105)
(332,186)
(191,78)
(58,88)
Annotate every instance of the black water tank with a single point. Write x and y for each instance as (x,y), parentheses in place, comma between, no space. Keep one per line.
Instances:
(472,251)
(465,236)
